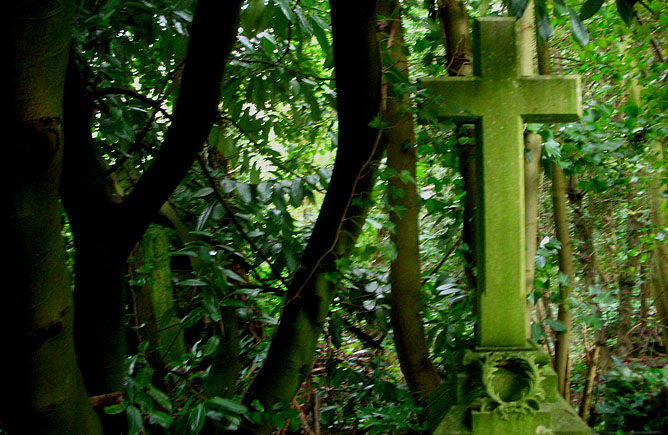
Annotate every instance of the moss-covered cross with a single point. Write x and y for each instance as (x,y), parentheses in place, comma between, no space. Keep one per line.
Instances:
(498,100)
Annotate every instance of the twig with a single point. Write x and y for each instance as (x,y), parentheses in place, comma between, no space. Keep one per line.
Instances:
(108,399)
(155,104)
(440,263)
(302,417)
(236,223)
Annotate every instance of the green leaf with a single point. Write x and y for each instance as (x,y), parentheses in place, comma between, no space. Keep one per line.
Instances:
(212,309)
(252,16)
(593,320)
(161,398)
(227,405)
(227,185)
(196,419)
(244,192)
(517,7)
(144,376)
(556,325)
(162,418)
(589,8)
(536,331)
(210,346)
(625,9)
(560,8)
(579,29)
(552,148)
(246,43)
(193,283)
(285,8)
(233,275)
(135,420)
(193,317)
(303,21)
(116,409)
(320,30)
(277,421)
(297,192)
(201,220)
(543,22)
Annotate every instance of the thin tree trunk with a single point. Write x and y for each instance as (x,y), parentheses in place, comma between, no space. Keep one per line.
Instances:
(357,69)
(406,295)
(532,153)
(223,373)
(561,222)
(659,275)
(154,296)
(455,29)
(564,315)
(43,390)
(585,235)
(532,174)
(627,280)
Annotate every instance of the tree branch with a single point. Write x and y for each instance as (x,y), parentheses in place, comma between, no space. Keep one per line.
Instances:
(214,28)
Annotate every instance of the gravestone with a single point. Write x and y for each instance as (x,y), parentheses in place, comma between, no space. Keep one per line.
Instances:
(505,385)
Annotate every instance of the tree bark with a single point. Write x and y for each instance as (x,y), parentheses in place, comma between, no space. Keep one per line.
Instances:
(564,315)
(153,296)
(405,273)
(455,29)
(101,255)
(532,154)
(532,174)
(357,69)
(628,278)
(45,394)
(561,223)
(659,275)
(585,252)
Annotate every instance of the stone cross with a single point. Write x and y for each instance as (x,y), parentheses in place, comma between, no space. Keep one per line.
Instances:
(498,100)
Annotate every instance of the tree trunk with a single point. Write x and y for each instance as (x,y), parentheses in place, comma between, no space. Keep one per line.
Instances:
(561,223)
(659,275)
(153,295)
(627,279)
(454,21)
(455,28)
(405,273)
(46,393)
(357,69)
(564,315)
(223,373)
(532,147)
(92,206)
(585,235)
(532,153)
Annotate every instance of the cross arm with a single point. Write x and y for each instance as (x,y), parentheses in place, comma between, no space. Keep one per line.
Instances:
(454,98)
(550,98)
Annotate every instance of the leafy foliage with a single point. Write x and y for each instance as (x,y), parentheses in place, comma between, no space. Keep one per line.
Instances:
(633,398)
(249,207)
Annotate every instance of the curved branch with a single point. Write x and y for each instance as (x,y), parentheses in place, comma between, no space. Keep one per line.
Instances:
(214,28)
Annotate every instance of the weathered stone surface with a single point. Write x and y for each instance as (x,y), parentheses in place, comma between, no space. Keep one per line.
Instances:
(506,385)
(498,100)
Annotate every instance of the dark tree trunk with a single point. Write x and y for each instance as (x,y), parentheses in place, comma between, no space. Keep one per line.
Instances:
(357,68)
(43,390)
(106,229)
(405,273)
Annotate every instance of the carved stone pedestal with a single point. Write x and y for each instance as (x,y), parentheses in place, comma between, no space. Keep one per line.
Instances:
(503,392)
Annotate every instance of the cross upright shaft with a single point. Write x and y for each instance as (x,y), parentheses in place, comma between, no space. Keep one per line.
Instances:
(498,100)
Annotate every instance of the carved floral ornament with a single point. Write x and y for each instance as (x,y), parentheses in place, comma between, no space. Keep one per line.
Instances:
(512,383)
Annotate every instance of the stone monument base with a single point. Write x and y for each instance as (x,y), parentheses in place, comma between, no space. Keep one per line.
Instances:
(503,392)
